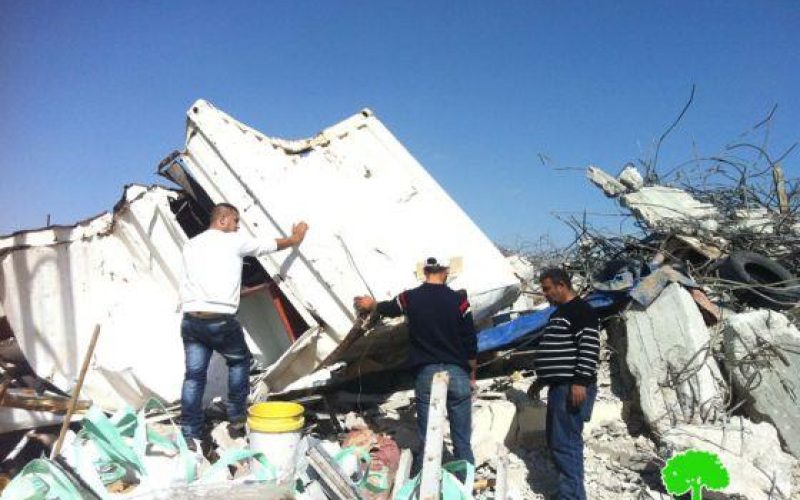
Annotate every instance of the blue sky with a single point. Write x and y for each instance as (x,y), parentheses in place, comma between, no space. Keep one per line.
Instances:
(93,94)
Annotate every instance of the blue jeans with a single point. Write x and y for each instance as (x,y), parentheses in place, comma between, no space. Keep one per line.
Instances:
(200,338)
(564,439)
(459,409)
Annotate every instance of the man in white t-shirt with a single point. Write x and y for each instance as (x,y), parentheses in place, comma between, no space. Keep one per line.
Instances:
(210,289)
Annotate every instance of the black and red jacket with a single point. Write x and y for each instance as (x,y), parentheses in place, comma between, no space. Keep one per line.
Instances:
(440,326)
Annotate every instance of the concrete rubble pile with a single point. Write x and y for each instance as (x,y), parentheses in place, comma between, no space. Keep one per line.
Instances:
(705,338)
(699,349)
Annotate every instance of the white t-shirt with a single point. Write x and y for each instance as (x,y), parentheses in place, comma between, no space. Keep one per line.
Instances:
(212,270)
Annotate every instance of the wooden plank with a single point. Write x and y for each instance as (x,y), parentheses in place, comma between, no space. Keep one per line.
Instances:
(484,484)
(5,382)
(76,391)
(360,326)
(403,471)
(27,399)
(780,188)
(434,439)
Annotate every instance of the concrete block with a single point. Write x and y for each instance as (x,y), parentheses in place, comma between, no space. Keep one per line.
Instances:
(610,186)
(676,381)
(762,356)
(751,453)
(631,178)
(493,423)
(605,412)
(530,424)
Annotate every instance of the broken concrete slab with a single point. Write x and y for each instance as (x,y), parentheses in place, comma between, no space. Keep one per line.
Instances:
(605,412)
(610,186)
(530,424)
(762,353)
(751,453)
(646,291)
(659,207)
(493,423)
(667,350)
(631,178)
(755,220)
(662,207)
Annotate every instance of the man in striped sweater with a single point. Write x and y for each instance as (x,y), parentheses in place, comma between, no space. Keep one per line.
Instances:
(566,361)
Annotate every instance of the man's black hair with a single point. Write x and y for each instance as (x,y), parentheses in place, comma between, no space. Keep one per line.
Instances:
(433,266)
(557,276)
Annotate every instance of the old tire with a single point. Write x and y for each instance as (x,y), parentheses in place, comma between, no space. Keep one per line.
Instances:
(771,285)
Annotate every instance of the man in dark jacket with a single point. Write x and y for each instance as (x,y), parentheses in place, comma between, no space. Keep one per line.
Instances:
(566,361)
(442,338)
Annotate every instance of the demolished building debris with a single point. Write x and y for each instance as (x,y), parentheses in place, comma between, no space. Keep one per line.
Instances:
(751,453)
(762,355)
(387,191)
(707,372)
(667,353)
(121,269)
(694,354)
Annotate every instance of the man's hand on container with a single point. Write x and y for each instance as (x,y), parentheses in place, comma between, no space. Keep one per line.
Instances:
(364,304)
(298,233)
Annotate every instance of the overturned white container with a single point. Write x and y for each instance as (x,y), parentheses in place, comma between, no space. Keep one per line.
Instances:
(374,213)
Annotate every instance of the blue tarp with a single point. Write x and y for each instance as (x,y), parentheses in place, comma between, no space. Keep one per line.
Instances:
(533,323)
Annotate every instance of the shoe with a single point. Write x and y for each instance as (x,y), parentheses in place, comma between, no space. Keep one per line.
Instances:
(194,445)
(237,430)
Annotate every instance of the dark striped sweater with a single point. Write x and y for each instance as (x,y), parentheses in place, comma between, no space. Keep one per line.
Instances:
(569,348)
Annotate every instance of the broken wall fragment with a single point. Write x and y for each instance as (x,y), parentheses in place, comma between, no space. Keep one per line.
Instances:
(121,270)
(677,379)
(750,452)
(762,355)
(658,207)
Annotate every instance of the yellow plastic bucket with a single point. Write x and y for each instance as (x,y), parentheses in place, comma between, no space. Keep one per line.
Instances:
(275,429)
(275,416)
